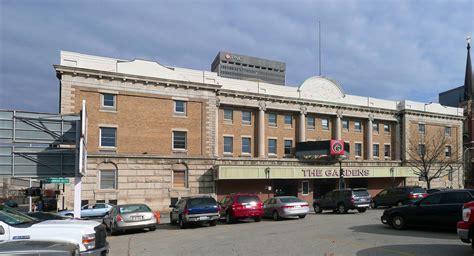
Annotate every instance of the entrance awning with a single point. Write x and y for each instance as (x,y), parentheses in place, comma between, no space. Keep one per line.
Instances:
(234,172)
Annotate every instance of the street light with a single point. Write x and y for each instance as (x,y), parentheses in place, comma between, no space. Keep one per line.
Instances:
(392,174)
(341,175)
(267,175)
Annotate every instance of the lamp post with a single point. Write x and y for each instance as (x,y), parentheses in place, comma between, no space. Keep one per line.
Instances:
(341,175)
(392,174)
(267,175)
(450,176)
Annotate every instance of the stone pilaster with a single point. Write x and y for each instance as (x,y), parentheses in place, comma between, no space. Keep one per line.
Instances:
(301,124)
(368,139)
(338,125)
(261,129)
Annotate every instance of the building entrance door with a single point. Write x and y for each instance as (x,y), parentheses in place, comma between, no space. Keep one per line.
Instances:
(286,187)
(323,186)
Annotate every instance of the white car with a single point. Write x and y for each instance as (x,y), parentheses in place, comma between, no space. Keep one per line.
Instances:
(90,236)
(90,211)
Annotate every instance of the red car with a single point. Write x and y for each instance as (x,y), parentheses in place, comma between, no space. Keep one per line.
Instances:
(466,225)
(241,206)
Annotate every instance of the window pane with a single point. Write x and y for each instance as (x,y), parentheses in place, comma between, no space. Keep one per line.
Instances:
(386,128)
(272,119)
(109,100)
(375,150)
(305,187)
(272,146)
(246,117)
(447,151)
(288,146)
(358,149)
(179,140)
(421,128)
(107,179)
(357,126)
(345,124)
(310,121)
(325,123)
(387,150)
(107,137)
(375,127)
(288,119)
(180,106)
(228,144)
(245,145)
(447,131)
(228,114)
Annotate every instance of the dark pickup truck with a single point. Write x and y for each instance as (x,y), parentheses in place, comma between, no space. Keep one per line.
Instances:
(194,210)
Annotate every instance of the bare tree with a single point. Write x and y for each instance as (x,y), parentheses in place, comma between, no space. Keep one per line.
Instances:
(432,156)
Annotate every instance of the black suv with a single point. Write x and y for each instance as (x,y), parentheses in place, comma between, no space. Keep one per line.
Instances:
(398,196)
(200,209)
(342,200)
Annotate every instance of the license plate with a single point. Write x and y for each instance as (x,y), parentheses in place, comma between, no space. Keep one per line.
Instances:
(203,218)
(137,218)
(248,206)
(297,206)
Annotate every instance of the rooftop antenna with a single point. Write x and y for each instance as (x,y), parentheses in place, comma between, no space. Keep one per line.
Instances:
(319,37)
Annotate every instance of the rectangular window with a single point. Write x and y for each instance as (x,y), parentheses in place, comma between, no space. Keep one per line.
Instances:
(179,140)
(179,178)
(108,100)
(272,146)
(228,144)
(246,145)
(386,150)
(357,126)
(345,125)
(246,117)
(421,149)
(375,127)
(421,128)
(447,151)
(272,119)
(108,137)
(325,123)
(386,128)
(447,131)
(305,189)
(375,151)
(358,149)
(108,179)
(179,107)
(228,114)
(288,147)
(288,120)
(310,121)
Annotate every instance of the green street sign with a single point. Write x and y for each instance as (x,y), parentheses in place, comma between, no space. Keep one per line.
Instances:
(56,181)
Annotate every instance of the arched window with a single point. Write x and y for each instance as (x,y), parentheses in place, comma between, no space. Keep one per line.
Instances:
(107,176)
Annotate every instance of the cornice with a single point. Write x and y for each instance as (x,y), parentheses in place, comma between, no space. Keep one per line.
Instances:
(430,114)
(147,80)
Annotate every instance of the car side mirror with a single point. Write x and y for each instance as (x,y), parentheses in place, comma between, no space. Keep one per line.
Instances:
(2,231)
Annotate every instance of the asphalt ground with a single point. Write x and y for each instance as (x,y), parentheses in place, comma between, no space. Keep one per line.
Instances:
(327,234)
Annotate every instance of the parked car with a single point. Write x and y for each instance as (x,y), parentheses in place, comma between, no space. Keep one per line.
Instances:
(46,216)
(241,206)
(438,210)
(11,203)
(89,235)
(130,216)
(90,211)
(195,210)
(284,207)
(398,196)
(434,190)
(38,248)
(342,200)
(466,225)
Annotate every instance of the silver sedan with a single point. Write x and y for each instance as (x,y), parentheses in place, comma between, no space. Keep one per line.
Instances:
(130,216)
(284,207)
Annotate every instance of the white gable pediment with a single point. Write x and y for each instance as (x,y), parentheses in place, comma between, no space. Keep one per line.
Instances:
(321,88)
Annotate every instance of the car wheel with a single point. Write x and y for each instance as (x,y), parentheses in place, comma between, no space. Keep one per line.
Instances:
(361,210)
(398,222)
(317,208)
(276,216)
(302,216)
(373,205)
(181,223)
(212,223)
(341,208)
(228,218)
(70,215)
(257,219)
(399,203)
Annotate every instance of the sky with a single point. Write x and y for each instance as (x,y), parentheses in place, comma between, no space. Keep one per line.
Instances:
(385,49)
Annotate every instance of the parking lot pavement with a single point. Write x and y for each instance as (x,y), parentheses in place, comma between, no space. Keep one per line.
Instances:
(326,234)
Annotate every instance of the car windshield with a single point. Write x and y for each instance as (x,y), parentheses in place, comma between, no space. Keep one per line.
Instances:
(134,208)
(361,193)
(202,202)
(290,200)
(418,190)
(14,217)
(247,199)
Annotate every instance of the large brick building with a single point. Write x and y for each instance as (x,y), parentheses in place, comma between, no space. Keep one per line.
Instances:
(156,133)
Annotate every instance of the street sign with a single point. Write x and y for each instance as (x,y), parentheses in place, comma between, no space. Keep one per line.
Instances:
(56,181)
